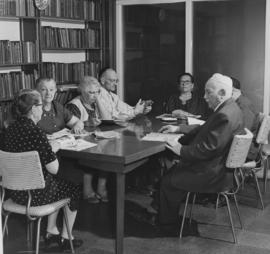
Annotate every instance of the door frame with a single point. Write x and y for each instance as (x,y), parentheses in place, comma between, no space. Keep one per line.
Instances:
(188,42)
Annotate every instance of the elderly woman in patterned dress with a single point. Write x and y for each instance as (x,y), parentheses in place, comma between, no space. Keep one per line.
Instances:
(24,135)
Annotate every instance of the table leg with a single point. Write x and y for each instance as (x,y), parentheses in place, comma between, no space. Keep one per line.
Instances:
(120,206)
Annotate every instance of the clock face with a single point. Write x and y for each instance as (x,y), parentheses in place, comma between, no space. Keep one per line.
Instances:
(41,4)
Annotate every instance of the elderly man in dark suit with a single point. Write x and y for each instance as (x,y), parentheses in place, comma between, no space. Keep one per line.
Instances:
(202,152)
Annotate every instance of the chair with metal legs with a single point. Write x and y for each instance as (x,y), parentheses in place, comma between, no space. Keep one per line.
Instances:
(236,158)
(253,168)
(23,172)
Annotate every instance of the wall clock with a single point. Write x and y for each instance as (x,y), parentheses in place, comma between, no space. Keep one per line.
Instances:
(41,4)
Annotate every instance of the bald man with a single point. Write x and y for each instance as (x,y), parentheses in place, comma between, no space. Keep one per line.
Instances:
(109,103)
(202,153)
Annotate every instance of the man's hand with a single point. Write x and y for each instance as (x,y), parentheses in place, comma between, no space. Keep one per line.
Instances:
(169,129)
(175,147)
(78,127)
(139,108)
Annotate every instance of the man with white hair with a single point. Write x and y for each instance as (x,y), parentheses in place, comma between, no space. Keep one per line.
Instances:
(109,103)
(202,153)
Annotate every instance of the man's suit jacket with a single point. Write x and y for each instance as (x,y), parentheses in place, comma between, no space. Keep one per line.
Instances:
(205,149)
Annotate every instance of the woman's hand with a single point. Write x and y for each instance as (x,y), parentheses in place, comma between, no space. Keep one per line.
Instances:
(169,129)
(78,127)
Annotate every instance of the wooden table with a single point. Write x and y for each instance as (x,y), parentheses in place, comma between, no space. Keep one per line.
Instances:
(120,156)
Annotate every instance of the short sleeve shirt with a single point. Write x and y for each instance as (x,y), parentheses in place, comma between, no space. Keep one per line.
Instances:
(56,119)
(23,135)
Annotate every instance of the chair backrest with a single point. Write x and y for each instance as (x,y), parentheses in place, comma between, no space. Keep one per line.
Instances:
(21,171)
(262,136)
(239,149)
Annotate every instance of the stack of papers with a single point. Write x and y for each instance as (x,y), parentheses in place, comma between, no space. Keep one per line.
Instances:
(162,137)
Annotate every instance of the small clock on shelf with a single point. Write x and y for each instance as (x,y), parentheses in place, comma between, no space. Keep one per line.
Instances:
(41,4)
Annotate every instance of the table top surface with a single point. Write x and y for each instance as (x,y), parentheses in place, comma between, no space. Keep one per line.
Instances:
(128,147)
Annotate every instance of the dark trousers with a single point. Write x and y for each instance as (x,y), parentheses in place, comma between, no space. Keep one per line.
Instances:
(170,199)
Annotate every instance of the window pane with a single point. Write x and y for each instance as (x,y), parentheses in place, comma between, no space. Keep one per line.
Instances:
(229,38)
(154,51)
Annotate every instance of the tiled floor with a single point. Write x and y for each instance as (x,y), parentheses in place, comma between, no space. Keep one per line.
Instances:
(95,226)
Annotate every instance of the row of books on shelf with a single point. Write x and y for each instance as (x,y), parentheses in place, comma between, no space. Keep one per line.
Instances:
(5,111)
(16,52)
(76,9)
(55,37)
(67,95)
(17,8)
(69,72)
(12,82)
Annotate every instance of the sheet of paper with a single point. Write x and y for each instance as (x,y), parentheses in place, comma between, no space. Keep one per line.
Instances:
(59,134)
(192,120)
(79,145)
(106,134)
(163,137)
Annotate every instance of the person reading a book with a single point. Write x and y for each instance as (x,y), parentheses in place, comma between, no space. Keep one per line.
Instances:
(85,108)
(55,116)
(109,103)
(24,135)
(187,98)
(202,153)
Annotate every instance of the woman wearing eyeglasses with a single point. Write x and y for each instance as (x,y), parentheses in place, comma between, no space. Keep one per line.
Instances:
(187,99)
(24,135)
(85,108)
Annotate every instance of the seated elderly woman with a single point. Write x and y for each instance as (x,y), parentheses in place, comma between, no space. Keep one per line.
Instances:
(187,99)
(55,117)
(85,108)
(24,135)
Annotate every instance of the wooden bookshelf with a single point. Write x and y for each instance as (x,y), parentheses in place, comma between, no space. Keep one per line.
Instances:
(64,41)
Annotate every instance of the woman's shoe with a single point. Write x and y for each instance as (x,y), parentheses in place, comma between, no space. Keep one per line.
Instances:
(92,198)
(50,239)
(65,244)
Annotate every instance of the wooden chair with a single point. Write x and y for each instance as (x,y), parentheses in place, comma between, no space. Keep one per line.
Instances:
(236,158)
(23,172)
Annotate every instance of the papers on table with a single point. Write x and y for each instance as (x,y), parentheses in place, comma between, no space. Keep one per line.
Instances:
(67,141)
(192,120)
(80,144)
(163,137)
(59,134)
(106,134)
(67,132)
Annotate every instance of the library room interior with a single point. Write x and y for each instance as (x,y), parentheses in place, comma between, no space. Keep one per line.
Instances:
(134,126)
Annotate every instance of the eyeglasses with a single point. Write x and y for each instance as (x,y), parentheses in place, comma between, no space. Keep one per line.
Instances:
(184,82)
(95,92)
(113,80)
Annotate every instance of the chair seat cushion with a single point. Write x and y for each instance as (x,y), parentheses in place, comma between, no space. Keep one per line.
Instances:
(266,149)
(37,211)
